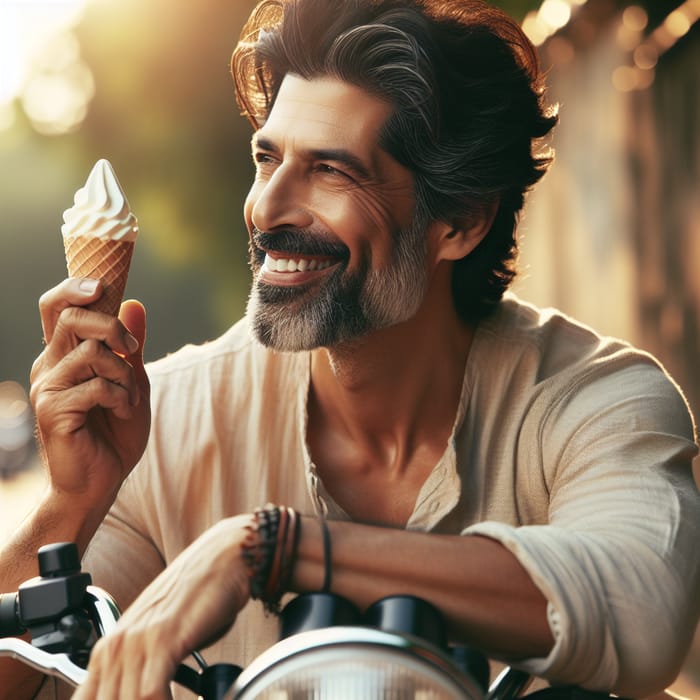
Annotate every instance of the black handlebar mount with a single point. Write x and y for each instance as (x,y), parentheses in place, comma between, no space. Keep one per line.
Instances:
(52,606)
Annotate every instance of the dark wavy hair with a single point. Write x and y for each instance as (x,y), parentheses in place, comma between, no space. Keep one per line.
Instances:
(468,95)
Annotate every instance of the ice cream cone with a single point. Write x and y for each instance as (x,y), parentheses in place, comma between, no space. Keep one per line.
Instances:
(99,232)
(103,259)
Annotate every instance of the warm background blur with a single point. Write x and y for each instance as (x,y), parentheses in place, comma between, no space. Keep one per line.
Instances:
(611,236)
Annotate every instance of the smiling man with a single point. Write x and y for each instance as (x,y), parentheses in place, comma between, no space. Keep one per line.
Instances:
(414,427)
(344,255)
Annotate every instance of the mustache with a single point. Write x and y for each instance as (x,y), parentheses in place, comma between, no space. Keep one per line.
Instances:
(300,241)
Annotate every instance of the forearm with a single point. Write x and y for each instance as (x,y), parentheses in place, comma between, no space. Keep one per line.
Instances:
(55,519)
(489,600)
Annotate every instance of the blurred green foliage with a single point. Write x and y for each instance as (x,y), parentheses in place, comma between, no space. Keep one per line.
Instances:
(164,114)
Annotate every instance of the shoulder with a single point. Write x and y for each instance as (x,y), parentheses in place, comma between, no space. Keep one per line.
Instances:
(567,369)
(555,346)
(547,336)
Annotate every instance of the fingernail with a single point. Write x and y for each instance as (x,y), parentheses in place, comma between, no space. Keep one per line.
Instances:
(88,287)
(131,343)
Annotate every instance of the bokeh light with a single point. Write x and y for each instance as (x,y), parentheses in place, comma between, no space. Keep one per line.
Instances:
(40,64)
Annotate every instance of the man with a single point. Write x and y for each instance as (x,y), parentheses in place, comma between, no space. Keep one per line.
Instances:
(528,477)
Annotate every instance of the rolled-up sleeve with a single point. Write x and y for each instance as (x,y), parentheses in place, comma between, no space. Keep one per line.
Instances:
(617,560)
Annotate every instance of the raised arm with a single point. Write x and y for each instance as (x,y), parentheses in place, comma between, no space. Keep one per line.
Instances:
(90,396)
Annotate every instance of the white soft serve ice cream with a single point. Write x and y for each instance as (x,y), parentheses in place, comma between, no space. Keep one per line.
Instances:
(99,234)
(101,208)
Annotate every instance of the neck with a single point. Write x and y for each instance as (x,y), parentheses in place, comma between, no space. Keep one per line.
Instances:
(396,388)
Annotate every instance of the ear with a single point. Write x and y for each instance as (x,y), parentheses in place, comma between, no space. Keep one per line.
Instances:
(455,240)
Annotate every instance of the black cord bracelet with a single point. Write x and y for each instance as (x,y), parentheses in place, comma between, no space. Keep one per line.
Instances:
(327,563)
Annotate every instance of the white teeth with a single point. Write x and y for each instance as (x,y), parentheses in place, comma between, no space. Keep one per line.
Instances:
(290,265)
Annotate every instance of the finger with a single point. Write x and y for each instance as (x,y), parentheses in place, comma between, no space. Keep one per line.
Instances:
(132,666)
(70,292)
(87,690)
(89,360)
(70,406)
(75,324)
(103,679)
(133,315)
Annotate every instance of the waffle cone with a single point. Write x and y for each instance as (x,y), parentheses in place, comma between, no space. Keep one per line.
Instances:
(103,259)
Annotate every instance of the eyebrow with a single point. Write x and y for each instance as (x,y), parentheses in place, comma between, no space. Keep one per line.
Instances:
(336,155)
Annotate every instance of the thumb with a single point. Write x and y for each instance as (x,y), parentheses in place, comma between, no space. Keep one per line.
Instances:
(133,315)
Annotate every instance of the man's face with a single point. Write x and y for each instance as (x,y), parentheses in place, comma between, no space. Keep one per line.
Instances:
(335,253)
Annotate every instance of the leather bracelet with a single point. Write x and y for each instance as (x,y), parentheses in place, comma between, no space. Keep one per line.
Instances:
(269,552)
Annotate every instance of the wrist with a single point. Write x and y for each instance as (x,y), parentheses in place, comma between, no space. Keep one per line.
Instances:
(66,517)
(313,567)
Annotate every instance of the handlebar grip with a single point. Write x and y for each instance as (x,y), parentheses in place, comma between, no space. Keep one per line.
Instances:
(10,625)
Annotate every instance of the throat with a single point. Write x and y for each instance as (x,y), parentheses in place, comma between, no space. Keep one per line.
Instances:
(370,485)
(374,463)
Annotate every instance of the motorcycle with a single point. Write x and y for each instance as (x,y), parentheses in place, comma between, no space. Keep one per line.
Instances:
(328,649)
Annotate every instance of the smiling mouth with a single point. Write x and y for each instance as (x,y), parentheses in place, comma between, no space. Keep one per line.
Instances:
(297,263)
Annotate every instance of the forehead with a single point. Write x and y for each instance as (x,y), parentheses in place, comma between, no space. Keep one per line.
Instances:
(326,112)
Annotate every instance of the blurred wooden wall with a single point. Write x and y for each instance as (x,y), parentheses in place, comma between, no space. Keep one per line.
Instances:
(612,234)
(665,170)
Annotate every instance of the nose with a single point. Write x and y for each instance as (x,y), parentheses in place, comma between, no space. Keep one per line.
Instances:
(279,201)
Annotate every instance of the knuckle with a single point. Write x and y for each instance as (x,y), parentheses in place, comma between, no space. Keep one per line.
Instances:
(70,315)
(34,394)
(44,301)
(63,320)
(44,407)
(106,648)
(51,297)
(90,348)
(103,386)
(37,369)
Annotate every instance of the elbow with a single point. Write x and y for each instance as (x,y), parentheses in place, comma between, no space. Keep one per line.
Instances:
(652,660)
(633,649)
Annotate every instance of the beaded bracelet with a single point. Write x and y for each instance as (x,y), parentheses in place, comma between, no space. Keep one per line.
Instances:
(269,551)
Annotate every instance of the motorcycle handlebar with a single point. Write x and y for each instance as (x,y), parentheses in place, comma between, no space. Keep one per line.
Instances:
(10,625)
(65,615)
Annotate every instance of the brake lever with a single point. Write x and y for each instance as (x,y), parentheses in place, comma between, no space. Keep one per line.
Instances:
(58,665)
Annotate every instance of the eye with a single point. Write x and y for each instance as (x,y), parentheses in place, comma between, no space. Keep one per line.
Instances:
(264,161)
(263,157)
(327,169)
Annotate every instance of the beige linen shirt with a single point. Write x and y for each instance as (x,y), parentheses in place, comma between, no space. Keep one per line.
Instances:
(571,449)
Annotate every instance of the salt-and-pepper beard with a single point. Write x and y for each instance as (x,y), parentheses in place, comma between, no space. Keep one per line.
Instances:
(344,305)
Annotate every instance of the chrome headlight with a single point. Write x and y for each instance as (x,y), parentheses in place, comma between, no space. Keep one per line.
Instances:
(350,662)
